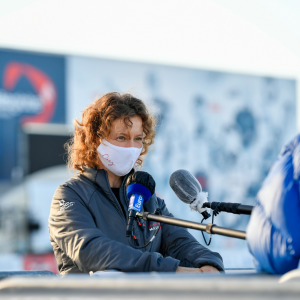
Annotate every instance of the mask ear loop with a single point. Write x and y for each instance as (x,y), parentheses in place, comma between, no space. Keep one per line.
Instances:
(99,136)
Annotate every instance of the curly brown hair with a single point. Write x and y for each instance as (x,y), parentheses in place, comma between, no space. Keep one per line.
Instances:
(96,125)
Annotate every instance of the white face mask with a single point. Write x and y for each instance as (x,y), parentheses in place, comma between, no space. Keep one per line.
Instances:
(118,160)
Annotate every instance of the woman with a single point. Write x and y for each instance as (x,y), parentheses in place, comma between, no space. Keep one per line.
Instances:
(89,213)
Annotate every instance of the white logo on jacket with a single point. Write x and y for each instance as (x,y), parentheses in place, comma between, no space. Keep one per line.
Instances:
(64,205)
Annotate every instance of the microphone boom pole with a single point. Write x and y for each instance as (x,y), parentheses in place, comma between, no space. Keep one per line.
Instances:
(209,228)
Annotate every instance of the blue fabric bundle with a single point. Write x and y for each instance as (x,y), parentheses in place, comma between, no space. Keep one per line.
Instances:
(273,233)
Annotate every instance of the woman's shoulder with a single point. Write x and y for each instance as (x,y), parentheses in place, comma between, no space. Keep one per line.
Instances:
(77,186)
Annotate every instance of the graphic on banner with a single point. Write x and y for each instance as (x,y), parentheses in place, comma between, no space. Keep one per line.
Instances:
(42,105)
(32,90)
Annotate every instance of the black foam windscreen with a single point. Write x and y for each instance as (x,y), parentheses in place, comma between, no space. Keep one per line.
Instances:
(142,178)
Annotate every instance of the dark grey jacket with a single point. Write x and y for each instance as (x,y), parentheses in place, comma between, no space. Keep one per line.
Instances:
(87,231)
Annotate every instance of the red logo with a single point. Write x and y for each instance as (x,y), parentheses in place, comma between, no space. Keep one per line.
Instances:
(42,84)
(40,262)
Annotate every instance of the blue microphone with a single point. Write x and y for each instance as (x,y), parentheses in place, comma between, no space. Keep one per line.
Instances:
(140,188)
(137,195)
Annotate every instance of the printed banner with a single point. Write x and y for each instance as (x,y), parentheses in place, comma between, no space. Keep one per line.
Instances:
(32,89)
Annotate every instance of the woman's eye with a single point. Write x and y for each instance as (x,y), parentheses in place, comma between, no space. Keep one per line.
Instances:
(121,138)
(139,139)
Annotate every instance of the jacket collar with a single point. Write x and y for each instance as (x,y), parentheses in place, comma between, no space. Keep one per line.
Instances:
(100,177)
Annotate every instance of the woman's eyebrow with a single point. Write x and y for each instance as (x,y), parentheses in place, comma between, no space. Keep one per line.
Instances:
(122,132)
(126,133)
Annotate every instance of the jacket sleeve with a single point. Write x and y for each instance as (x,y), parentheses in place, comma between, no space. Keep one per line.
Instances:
(180,244)
(273,230)
(72,228)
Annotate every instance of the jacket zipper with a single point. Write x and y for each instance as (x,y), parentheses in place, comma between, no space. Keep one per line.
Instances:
(115,201)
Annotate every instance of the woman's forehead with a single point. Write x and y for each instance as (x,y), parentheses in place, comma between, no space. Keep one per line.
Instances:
(122,124)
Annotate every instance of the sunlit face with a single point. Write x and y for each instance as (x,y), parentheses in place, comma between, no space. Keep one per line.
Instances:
(124,136)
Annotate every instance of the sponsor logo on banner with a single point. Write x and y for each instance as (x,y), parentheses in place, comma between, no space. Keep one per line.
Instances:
(40,106)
